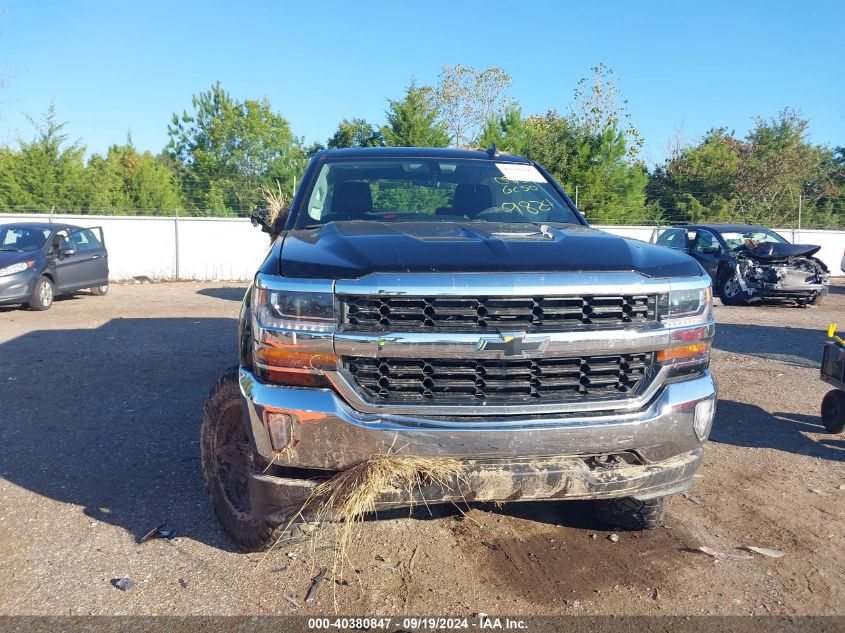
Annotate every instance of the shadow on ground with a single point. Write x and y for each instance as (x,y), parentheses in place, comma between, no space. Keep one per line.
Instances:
(573,514)
(797,346)
(116,429)
(228,294)
(748,425)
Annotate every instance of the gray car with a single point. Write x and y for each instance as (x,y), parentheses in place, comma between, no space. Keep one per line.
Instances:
(40,260)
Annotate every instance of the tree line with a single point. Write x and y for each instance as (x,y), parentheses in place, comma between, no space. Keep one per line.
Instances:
(223,152)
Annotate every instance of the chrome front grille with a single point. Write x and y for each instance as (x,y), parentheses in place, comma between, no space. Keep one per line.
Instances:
(469,314)
(465,381)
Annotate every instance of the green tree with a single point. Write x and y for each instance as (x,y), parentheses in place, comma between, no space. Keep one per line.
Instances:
(413,121)
(588,151)
(762,178)
(47,171)
(126,181)
(355,133)
(511,133)
(227,149)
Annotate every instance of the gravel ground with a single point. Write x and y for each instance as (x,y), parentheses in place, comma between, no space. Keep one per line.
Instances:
(100,403)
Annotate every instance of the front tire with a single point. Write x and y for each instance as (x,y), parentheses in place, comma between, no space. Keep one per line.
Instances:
(42,294)
(227,462)
(731,292)
(100,291)
(630,513)
(833,411)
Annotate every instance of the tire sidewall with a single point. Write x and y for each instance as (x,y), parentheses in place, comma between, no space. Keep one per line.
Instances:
(36,302)
(738,299)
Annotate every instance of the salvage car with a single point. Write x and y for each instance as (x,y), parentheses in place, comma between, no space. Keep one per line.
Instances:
(40,260)
(455,304)
(749,263)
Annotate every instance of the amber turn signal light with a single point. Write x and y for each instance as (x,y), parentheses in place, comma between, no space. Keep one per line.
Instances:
(294,358)
(683,352)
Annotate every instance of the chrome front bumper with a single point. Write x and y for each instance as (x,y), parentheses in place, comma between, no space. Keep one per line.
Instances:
(325,433)
(506,459)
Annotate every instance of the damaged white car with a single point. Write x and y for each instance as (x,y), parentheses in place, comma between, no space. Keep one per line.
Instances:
(750,263)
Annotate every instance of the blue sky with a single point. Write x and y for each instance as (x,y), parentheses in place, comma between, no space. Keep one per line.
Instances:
(684,67)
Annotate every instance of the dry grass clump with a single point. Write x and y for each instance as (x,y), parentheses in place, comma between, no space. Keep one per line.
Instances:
(276,201)
(351,494)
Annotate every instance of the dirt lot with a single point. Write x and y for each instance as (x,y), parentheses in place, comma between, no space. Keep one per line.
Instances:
(100,402)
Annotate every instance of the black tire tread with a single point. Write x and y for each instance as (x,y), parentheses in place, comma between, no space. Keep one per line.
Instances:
(833,411)
(248,532)
(631,513)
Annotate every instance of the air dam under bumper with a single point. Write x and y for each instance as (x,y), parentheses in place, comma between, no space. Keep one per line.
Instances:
(531,457)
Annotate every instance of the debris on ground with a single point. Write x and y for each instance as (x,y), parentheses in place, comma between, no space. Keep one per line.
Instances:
(154,533)
(594,536)
(821,493)
(290,601)
(693,499)
(183,583)
(613,538)
(765,551)
(158,532)
(720,555)
(124,584)
(315,584)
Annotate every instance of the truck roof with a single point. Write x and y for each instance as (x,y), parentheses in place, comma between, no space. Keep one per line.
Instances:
(421,152)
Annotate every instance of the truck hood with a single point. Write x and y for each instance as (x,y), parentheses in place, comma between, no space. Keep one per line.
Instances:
(348,250)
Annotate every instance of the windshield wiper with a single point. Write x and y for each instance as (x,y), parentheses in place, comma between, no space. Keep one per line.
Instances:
(7,248)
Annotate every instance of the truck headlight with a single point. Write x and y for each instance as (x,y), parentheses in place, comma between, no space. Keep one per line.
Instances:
(689,313)
(16,268)
(294,310)
(293,332)
(688,306)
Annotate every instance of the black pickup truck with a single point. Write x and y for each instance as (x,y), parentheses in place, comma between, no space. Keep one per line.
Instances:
(434,302)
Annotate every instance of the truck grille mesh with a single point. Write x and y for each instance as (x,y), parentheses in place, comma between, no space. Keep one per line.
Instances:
(366,313)
(427,381)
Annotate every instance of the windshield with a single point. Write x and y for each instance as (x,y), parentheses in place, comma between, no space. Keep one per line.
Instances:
(14,238)
(437,190)
(751,238)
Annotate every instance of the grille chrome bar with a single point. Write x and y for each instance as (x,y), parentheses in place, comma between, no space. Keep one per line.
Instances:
(582,342)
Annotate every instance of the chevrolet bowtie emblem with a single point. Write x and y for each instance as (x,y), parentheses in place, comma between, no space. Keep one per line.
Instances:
(512,344)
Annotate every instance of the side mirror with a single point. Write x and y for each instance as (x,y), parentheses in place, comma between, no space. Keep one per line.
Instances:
(261,217)
(67,252)
(711,250)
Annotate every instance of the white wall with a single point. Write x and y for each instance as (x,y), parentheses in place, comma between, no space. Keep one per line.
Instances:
(210,249)
(217,249)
